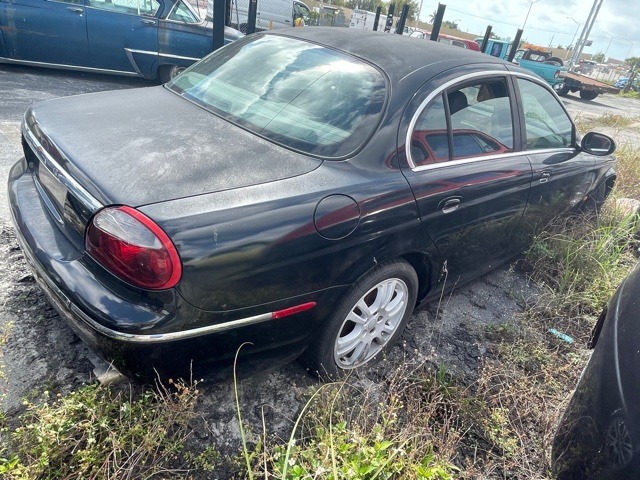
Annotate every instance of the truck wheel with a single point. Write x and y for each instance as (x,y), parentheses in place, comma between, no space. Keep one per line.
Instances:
(564,91)
(588,94)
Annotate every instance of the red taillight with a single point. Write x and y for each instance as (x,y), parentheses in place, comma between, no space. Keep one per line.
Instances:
(133,247)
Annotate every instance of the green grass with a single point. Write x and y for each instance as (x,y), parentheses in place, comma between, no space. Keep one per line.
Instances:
(628,169)
(630,94)
(384,432)
(102,433)
(613,121)
(580,261)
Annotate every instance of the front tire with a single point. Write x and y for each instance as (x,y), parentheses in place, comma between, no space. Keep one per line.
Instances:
(564,91)
(370,318)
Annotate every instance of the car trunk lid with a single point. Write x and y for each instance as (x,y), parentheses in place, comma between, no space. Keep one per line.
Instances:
(143,146)
(139,147)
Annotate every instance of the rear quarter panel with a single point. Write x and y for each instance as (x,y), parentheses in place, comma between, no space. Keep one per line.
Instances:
(259,244)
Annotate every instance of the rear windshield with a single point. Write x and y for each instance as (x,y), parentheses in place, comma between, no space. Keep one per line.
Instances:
(298,94)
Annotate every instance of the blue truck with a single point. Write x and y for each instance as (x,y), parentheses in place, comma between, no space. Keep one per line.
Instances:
(542,63)
(550,68)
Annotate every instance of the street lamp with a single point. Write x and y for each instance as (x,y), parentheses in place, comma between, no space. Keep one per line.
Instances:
(574,35)
(611,37)
(629,52)
(531,2)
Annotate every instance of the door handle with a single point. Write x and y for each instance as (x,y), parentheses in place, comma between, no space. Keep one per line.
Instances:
(545,176)
(451,205)
(146,21)
(75,9)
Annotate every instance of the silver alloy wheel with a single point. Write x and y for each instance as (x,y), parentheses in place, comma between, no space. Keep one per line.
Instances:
(371,323)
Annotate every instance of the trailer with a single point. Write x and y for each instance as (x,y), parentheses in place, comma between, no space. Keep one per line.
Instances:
(363,19)
(588,87)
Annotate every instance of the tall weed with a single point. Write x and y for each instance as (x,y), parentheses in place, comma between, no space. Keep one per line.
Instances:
(582,260)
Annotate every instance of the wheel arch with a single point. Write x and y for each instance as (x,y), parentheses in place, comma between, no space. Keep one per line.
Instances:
(423,265)
(610,182)
(421,262)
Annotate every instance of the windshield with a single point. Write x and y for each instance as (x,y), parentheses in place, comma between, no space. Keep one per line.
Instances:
(298,94)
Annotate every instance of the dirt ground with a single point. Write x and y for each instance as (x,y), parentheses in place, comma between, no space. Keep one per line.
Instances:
(42,353)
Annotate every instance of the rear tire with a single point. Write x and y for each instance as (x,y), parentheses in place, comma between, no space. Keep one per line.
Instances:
(169,72)
(370,318)
(588,94)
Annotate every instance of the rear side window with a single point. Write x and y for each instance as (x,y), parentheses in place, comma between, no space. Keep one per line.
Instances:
(547,124)
(472,121)
(134,7)
(304,96)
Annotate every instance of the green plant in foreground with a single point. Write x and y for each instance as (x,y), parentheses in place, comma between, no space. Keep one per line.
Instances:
(628,168)
(99,433)
(582,261)
(343,432)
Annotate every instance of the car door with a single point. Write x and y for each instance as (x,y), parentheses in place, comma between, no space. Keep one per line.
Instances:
(561,173)
(123,35)
(45,31)
(183,36)
(469,180)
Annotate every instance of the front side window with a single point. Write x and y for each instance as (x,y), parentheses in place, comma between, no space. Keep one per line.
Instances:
(475,122)
(302,11)
(303,96)
(181,12)
(547,123)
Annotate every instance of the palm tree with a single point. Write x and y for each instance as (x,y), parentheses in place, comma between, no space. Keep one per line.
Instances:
(432,17)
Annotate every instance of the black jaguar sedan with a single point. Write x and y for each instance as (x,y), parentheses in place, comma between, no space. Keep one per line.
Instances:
(294,191)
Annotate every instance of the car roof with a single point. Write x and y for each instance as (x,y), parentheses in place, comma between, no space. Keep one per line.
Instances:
(397,55)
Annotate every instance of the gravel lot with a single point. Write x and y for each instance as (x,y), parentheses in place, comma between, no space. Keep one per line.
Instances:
(41,352)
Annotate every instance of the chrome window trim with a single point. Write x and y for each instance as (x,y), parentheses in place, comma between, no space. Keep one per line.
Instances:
(461,79)
(485,158)
(62,175)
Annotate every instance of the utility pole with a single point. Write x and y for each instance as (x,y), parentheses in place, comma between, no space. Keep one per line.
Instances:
(584,36)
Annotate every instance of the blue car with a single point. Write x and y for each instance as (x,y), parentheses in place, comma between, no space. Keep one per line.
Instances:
(621,82)
(147,38)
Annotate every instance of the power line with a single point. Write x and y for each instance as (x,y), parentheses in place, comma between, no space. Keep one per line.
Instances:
(491,21)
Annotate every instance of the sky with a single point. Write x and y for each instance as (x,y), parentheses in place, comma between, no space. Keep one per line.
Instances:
(616,31)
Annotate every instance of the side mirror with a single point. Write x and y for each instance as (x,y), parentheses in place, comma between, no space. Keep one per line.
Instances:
(598,144)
